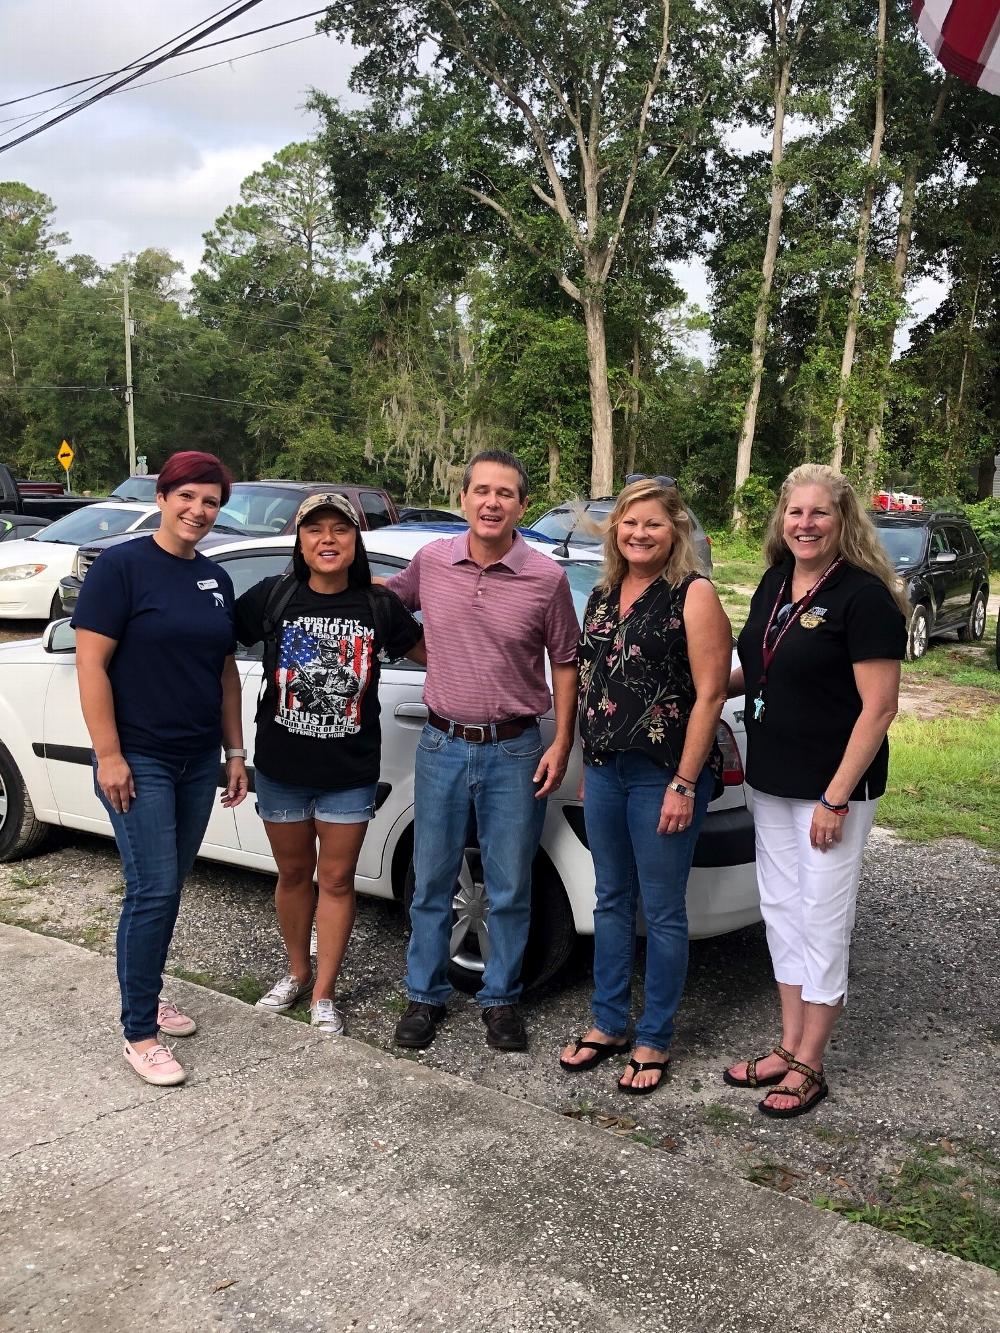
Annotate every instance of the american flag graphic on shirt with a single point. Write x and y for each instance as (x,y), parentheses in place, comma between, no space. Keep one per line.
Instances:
(324,669)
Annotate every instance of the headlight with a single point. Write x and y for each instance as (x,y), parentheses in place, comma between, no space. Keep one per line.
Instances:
(16,572)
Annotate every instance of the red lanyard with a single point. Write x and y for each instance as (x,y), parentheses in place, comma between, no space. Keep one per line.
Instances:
(767,652)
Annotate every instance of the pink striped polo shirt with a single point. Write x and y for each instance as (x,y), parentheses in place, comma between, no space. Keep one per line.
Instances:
(487,630)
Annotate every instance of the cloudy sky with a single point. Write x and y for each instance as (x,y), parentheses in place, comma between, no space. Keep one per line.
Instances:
(156,165)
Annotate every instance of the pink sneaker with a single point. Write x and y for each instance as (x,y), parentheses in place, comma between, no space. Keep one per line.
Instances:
(173,1022)
(156,1066)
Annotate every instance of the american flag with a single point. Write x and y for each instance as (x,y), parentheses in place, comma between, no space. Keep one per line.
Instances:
(300,649)
(297,649)
(965,37)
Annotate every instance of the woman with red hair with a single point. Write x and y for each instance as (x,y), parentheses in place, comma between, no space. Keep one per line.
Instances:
(160,694)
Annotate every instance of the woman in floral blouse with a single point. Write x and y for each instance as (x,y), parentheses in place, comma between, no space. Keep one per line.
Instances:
(655,658)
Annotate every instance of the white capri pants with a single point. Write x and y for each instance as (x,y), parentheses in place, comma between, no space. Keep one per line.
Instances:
(808,897)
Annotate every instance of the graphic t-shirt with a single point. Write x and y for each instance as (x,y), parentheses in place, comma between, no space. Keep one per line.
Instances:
(318,716)
(172,620)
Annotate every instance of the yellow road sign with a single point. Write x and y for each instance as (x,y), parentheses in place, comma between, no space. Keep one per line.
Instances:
(65,455)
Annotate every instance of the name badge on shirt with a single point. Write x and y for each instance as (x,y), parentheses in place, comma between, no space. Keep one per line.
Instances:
(205,584)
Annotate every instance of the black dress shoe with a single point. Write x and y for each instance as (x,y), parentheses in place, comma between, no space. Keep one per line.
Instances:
(504,1029)
(418,1026)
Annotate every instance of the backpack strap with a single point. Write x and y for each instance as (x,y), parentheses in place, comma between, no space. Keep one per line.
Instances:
(278,598)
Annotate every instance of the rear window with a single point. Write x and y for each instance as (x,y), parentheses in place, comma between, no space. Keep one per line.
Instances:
(259,511)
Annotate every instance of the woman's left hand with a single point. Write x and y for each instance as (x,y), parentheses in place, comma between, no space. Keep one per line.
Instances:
(237,784)
(676,813)
(826,829)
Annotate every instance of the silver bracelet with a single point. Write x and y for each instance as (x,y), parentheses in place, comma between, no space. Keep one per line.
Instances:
(236,753)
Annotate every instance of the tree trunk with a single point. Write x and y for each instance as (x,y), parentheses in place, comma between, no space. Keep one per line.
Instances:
(553,467)
(861,254)
(632,429)
(904,234)
(602,471)
(955,421)
(778,190)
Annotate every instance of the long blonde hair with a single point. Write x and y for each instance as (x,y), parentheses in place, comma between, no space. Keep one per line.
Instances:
(859,542)
(682,559)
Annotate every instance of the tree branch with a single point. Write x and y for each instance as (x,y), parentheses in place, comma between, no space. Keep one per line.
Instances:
(567,284)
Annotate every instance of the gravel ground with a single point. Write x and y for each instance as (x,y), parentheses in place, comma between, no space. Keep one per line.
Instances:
(911,1065)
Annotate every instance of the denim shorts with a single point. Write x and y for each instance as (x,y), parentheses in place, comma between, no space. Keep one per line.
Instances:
(282,803)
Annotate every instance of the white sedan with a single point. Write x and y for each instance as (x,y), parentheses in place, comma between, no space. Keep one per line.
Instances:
(30,569)
(45,778)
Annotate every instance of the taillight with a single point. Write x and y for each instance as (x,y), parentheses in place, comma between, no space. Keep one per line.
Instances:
(732,764)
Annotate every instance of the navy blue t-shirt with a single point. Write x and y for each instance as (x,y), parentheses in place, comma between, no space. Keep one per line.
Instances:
(173,622)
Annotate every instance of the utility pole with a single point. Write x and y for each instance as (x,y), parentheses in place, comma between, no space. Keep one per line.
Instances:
(130,415)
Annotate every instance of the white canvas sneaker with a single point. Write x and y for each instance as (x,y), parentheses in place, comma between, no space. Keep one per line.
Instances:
(284,995)
(325,1015)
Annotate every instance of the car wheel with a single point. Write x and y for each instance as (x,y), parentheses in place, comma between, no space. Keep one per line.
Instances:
(551,935)
(20,832)
(975,627)
(56,611)
(919,634)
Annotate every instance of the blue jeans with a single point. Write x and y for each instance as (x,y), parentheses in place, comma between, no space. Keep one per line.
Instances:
(453,778)
(158,840)
(621,805)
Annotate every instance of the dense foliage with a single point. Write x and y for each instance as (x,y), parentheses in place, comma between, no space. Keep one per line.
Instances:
(487,253)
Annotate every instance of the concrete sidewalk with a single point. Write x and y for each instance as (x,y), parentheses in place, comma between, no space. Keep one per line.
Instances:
(300,1183)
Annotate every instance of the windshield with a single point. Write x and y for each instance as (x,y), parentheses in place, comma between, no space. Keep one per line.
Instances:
(136,488)
(558,522)
(87,524)
(581,575)
(259,511)
(903,545)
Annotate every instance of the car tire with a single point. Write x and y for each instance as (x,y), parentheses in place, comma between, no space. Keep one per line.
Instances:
(919,634)
(975,627)
(20,832)
(56,611)
(551,935)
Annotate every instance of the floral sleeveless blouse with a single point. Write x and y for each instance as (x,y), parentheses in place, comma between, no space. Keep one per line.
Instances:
(636,689)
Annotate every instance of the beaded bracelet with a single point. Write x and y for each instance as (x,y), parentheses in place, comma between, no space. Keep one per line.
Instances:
(834,809)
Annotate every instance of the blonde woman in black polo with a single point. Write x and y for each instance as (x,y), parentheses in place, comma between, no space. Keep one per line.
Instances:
(820,656)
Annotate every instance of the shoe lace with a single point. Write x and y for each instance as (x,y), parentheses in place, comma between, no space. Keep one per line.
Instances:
(325,1009)
(169,1010)
(157,1054)
(286,988)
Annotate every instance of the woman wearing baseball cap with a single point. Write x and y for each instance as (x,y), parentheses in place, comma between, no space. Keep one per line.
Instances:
(318,741)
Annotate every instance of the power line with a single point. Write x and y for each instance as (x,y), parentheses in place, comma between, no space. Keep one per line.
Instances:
(129,78)
(221,41)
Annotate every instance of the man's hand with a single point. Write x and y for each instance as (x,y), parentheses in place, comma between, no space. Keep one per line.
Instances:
(551,769)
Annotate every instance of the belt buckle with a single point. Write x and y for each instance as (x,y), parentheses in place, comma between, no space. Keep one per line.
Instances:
(475,740)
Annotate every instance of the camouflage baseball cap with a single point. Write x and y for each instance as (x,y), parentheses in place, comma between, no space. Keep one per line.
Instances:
(327,500)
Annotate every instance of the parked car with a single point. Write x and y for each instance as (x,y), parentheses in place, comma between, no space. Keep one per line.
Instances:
(562,524)
(944,570)
(45,779)
(408,514)
(141,488)
(15,526)
(30,569)
(40,499)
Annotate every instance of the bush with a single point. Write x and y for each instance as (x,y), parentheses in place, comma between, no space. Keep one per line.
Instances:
(755,501)
(985,520)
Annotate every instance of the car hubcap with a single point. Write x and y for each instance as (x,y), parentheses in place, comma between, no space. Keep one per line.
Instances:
(470,935)
(919,636)
(3,804)
(979,619)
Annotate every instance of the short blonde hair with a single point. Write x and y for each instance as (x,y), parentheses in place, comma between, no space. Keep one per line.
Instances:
(683,559)
(859,542)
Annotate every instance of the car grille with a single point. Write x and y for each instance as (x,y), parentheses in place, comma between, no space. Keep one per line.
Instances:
(82,562)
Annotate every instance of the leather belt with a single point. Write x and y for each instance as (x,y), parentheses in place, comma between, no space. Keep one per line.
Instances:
(478,733)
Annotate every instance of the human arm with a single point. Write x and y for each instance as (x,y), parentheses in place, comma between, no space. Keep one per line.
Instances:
(406,584)
(709,640)
(237,783)
(877,683)
(737,684)
(418,653)
(552,766)
(93,656)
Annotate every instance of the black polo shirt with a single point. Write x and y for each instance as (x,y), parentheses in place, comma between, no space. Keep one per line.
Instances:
(811,700)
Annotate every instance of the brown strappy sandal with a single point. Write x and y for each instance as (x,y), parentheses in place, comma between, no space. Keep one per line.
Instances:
(813,1078)
(752,1080)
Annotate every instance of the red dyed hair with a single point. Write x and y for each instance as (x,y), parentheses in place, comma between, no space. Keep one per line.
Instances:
(192,465)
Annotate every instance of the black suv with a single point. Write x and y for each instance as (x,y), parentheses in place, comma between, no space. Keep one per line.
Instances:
(945,572)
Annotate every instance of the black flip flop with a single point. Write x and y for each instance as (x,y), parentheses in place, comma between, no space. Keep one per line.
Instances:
(603,1050)
(637,1067)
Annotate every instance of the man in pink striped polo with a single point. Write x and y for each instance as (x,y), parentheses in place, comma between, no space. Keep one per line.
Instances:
(492,610)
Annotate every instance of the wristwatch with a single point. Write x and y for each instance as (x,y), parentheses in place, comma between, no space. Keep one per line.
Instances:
(236,753)
(681,790)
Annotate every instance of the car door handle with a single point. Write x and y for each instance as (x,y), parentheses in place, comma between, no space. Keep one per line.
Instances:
(412,714)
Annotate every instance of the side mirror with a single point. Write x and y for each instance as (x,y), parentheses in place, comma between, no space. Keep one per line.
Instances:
(59,637)
(945,558)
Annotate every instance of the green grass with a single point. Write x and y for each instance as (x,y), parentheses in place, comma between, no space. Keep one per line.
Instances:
(943,779)
(23,879)
(950,1205)
(245,988)
(969,664)
(717,1116)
